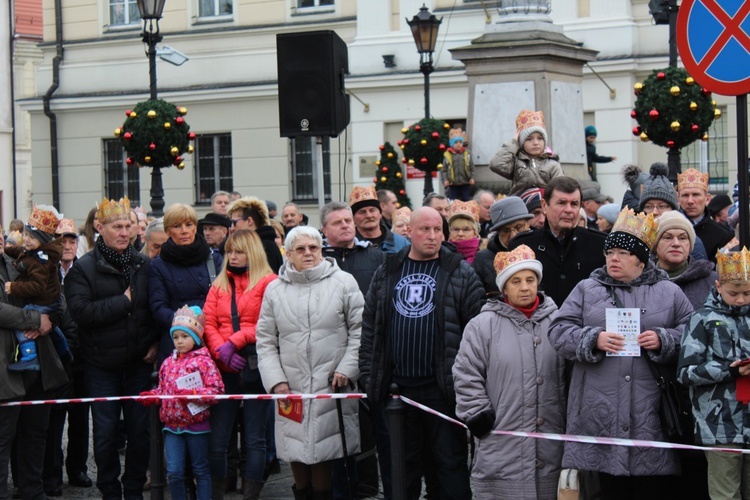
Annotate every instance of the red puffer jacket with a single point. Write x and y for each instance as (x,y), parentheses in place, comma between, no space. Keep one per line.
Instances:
(218,311)
(174,412)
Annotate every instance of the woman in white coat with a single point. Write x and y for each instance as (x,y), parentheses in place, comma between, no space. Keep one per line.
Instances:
(507,376)
(308,343)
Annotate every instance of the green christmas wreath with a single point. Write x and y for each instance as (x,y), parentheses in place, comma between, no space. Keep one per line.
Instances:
(424,144)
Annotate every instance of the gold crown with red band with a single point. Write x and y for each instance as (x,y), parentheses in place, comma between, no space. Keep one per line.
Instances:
(527,119)
(111,210)
(468,209)
(642,226)
(360,194)
(402,213)
(733,266)
(503,260)
(186,317)
(45,218)
(66,226)
(692,178)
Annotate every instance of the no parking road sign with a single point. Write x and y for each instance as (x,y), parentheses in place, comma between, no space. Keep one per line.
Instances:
(713,37)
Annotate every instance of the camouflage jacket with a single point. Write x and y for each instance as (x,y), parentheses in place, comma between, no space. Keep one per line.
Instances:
(717,334)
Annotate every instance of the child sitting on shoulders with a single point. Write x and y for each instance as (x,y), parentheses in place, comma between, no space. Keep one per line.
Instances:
(524,159)
(188,371)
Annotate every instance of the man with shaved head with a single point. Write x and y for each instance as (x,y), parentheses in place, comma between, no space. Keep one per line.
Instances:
(417,306)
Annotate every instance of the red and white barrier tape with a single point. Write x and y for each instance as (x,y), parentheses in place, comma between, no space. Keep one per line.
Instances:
(633,443)
(203,397)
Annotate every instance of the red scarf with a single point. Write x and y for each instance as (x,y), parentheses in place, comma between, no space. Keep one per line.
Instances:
(528,311)
(468,248)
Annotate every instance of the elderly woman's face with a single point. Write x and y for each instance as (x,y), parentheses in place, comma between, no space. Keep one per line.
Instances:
(508,231)
(603,224)
(183,233)
(673,249)
(520,289)
(400,226)
(623,265)
(462,229)
(305,253)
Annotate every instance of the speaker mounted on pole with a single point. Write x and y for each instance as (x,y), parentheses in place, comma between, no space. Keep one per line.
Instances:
(312,96)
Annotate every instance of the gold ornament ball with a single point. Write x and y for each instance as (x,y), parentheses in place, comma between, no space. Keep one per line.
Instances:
(167,125)
(377,162)
(705,136)
(190,149)
(181,165)
(713,103)
(446,126)
(644,137)
(118,131)
(404,130)
(411,162)
(423,142)
(402,147)
(675,91)
(689,80)
(147,159)
(398,175)
(638,87)
(133,114)
(151,114)
(439,166)
(174,151)
(693,106)
(390,155)
(383,179)
(675,126)
(182,111)
(717,114)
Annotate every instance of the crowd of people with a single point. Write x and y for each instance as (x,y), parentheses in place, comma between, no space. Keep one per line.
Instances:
(547,310)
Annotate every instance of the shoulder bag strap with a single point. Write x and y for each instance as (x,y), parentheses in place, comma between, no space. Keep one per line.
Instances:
(235,313)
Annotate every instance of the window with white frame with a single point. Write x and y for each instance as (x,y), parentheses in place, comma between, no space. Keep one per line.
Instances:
(307,4)
(120,179)
(123,12)
(214,8)
(213,165)
(304,175)
(711,156)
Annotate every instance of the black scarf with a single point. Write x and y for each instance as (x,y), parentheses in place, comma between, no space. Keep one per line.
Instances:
(120,261)
(237,271)
(185,255)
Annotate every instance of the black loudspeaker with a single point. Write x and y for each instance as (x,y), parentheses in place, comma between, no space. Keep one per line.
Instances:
(312,97)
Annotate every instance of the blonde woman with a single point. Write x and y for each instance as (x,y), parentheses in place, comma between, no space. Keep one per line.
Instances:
(243,280)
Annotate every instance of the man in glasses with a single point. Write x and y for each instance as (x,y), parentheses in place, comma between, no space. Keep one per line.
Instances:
(252,213)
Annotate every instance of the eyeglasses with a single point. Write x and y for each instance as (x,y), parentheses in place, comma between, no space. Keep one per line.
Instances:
(661,207)
(302,250)
(505,231)
(619,253)
(235,221)
(462,230)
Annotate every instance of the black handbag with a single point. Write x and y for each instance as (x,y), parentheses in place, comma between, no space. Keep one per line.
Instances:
(674,399)
(250,375)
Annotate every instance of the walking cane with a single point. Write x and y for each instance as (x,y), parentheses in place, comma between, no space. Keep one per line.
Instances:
(342,431)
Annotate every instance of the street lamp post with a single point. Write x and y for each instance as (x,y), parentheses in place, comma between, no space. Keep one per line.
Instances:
(151,12)
(424,28)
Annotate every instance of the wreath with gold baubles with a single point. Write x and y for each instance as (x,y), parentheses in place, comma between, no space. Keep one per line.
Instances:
(672,109)
(155,134)
(424,144)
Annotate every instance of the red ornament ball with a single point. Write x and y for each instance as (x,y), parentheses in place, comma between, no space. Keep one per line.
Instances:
(374,180)
(633,115)
(441,147)
(402,192)
(660,75)
(705,91)
(637,131)
(191,136)
(152,146)
(406,141)
(418,128)
(127,113)
(423,161)
(435,135)
(653,114)
(670,144)
(404,160)
(382,147)
(400,142)
(179,120)
(129,161)
(385,170)
(177,160)
(127,136)
(694,127)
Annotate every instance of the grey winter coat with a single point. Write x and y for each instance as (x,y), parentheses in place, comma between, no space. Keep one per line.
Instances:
(508,377)
(617,396)
(309,328)
(716,335)
(525,172)
(697,281)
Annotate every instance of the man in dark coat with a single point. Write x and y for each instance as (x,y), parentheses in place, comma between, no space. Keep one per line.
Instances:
(252,213)
(418,304)
(361,260)
(107,293)
(692,191)
(568,253)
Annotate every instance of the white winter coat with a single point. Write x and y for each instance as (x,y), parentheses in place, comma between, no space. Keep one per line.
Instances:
(309,328)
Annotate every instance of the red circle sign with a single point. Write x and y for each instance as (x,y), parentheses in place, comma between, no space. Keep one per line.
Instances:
(714,44)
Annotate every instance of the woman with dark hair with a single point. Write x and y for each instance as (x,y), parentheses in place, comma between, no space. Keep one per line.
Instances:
(183,271)
(89,233)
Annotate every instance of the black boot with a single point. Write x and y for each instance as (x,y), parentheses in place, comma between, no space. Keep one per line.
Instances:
(300,494)
(217,488)
(251,489)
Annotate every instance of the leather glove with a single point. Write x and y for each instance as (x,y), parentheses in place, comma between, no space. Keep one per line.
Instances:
(237,363)
(150,398)
(225,352)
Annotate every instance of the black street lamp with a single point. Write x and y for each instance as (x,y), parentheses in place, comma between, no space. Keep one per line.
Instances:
(151,11)
(424,28)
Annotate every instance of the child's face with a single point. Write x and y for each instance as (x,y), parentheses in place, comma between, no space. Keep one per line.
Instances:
(29,242)
(735,293)
(182,341)
(534,145)
(459,144)
(591,139)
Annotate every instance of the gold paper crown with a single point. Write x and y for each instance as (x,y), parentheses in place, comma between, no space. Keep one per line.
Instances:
(457,132)
(45,218)
(468,209)
(642,226)
(402,213)
(527,118)
(733,266)
(360,194)
(111,210)
(692,178)
(66,226)
(186,317)
(505,259)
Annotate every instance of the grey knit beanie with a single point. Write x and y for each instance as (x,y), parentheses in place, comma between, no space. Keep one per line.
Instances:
(658,187)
